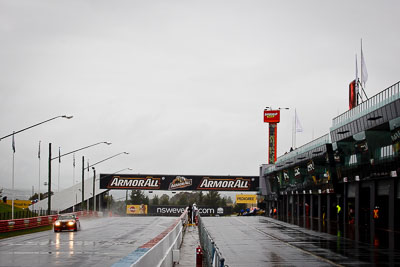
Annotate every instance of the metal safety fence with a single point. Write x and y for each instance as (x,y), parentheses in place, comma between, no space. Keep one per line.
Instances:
(24,214)
(212,256)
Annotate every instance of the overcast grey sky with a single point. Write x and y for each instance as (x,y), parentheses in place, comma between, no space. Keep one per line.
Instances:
(181,85)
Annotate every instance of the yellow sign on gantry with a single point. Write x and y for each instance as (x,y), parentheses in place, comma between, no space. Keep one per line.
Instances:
(246,199)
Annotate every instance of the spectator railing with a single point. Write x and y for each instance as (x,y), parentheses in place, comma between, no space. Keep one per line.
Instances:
(211,253)
(385,97)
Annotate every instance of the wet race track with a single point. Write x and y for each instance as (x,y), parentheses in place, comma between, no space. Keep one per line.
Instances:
(261,241)
(101,242)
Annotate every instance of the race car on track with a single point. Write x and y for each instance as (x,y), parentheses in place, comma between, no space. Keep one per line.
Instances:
(67,222)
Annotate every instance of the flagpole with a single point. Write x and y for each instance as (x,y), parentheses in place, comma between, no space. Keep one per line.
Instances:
(12,184)
(13,196)
(295,128)
(59,166)
(73,173)
(361,65)
(39,173)
(356,84)
(293,133)
(58,186)
(73,180)
(88,176)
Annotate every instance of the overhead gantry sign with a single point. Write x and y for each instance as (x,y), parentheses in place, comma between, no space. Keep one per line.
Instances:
(179,182)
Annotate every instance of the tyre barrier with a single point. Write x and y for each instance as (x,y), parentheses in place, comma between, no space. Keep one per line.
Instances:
(158,251)
(33,222)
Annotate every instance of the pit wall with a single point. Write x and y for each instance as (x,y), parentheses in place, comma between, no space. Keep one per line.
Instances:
(158,251)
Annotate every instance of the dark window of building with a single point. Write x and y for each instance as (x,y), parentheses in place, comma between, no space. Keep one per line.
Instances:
(384,113)
(366,122)
(396,109)
(362,124)
(392,110)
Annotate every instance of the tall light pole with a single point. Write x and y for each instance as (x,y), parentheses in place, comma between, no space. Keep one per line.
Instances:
(126,153)
(94,177)
(94,188)
(14,133)
(49,178)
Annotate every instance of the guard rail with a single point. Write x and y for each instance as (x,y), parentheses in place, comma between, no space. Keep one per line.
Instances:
(211,253)
(28,223)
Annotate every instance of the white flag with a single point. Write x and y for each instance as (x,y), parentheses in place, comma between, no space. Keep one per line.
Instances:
(298,127)
(364,73)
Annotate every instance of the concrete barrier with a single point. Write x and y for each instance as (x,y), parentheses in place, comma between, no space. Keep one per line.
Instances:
(158,251)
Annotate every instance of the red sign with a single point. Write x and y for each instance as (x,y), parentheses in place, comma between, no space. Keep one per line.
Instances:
(272,116)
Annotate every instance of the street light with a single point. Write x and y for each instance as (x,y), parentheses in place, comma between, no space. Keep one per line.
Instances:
(94,180)
(12,134)
(270,108)
(62,116)
(50,159)
(127,153)
(94,188)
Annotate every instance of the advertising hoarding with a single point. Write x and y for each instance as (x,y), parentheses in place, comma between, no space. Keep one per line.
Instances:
(179,182)
(246,199)
(272,140)
(136,209)
(272,116)
(160,210)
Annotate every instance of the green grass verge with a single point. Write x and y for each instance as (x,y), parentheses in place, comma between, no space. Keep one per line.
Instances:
(5,212)
(5,208)
(26,231)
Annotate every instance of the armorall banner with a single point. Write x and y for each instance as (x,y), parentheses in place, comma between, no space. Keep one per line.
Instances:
(179,182)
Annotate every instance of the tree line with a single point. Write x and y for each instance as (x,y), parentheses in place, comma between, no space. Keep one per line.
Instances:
(211,198)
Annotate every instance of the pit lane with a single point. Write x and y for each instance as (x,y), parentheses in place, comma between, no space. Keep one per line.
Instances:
(100,242)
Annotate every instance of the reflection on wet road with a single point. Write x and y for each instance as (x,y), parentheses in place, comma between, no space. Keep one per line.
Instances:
(101,242)
(261,241)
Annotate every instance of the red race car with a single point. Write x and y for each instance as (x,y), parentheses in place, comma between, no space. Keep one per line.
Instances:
(67,222)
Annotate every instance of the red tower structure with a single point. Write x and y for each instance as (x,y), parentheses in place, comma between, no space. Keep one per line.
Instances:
(273,118)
